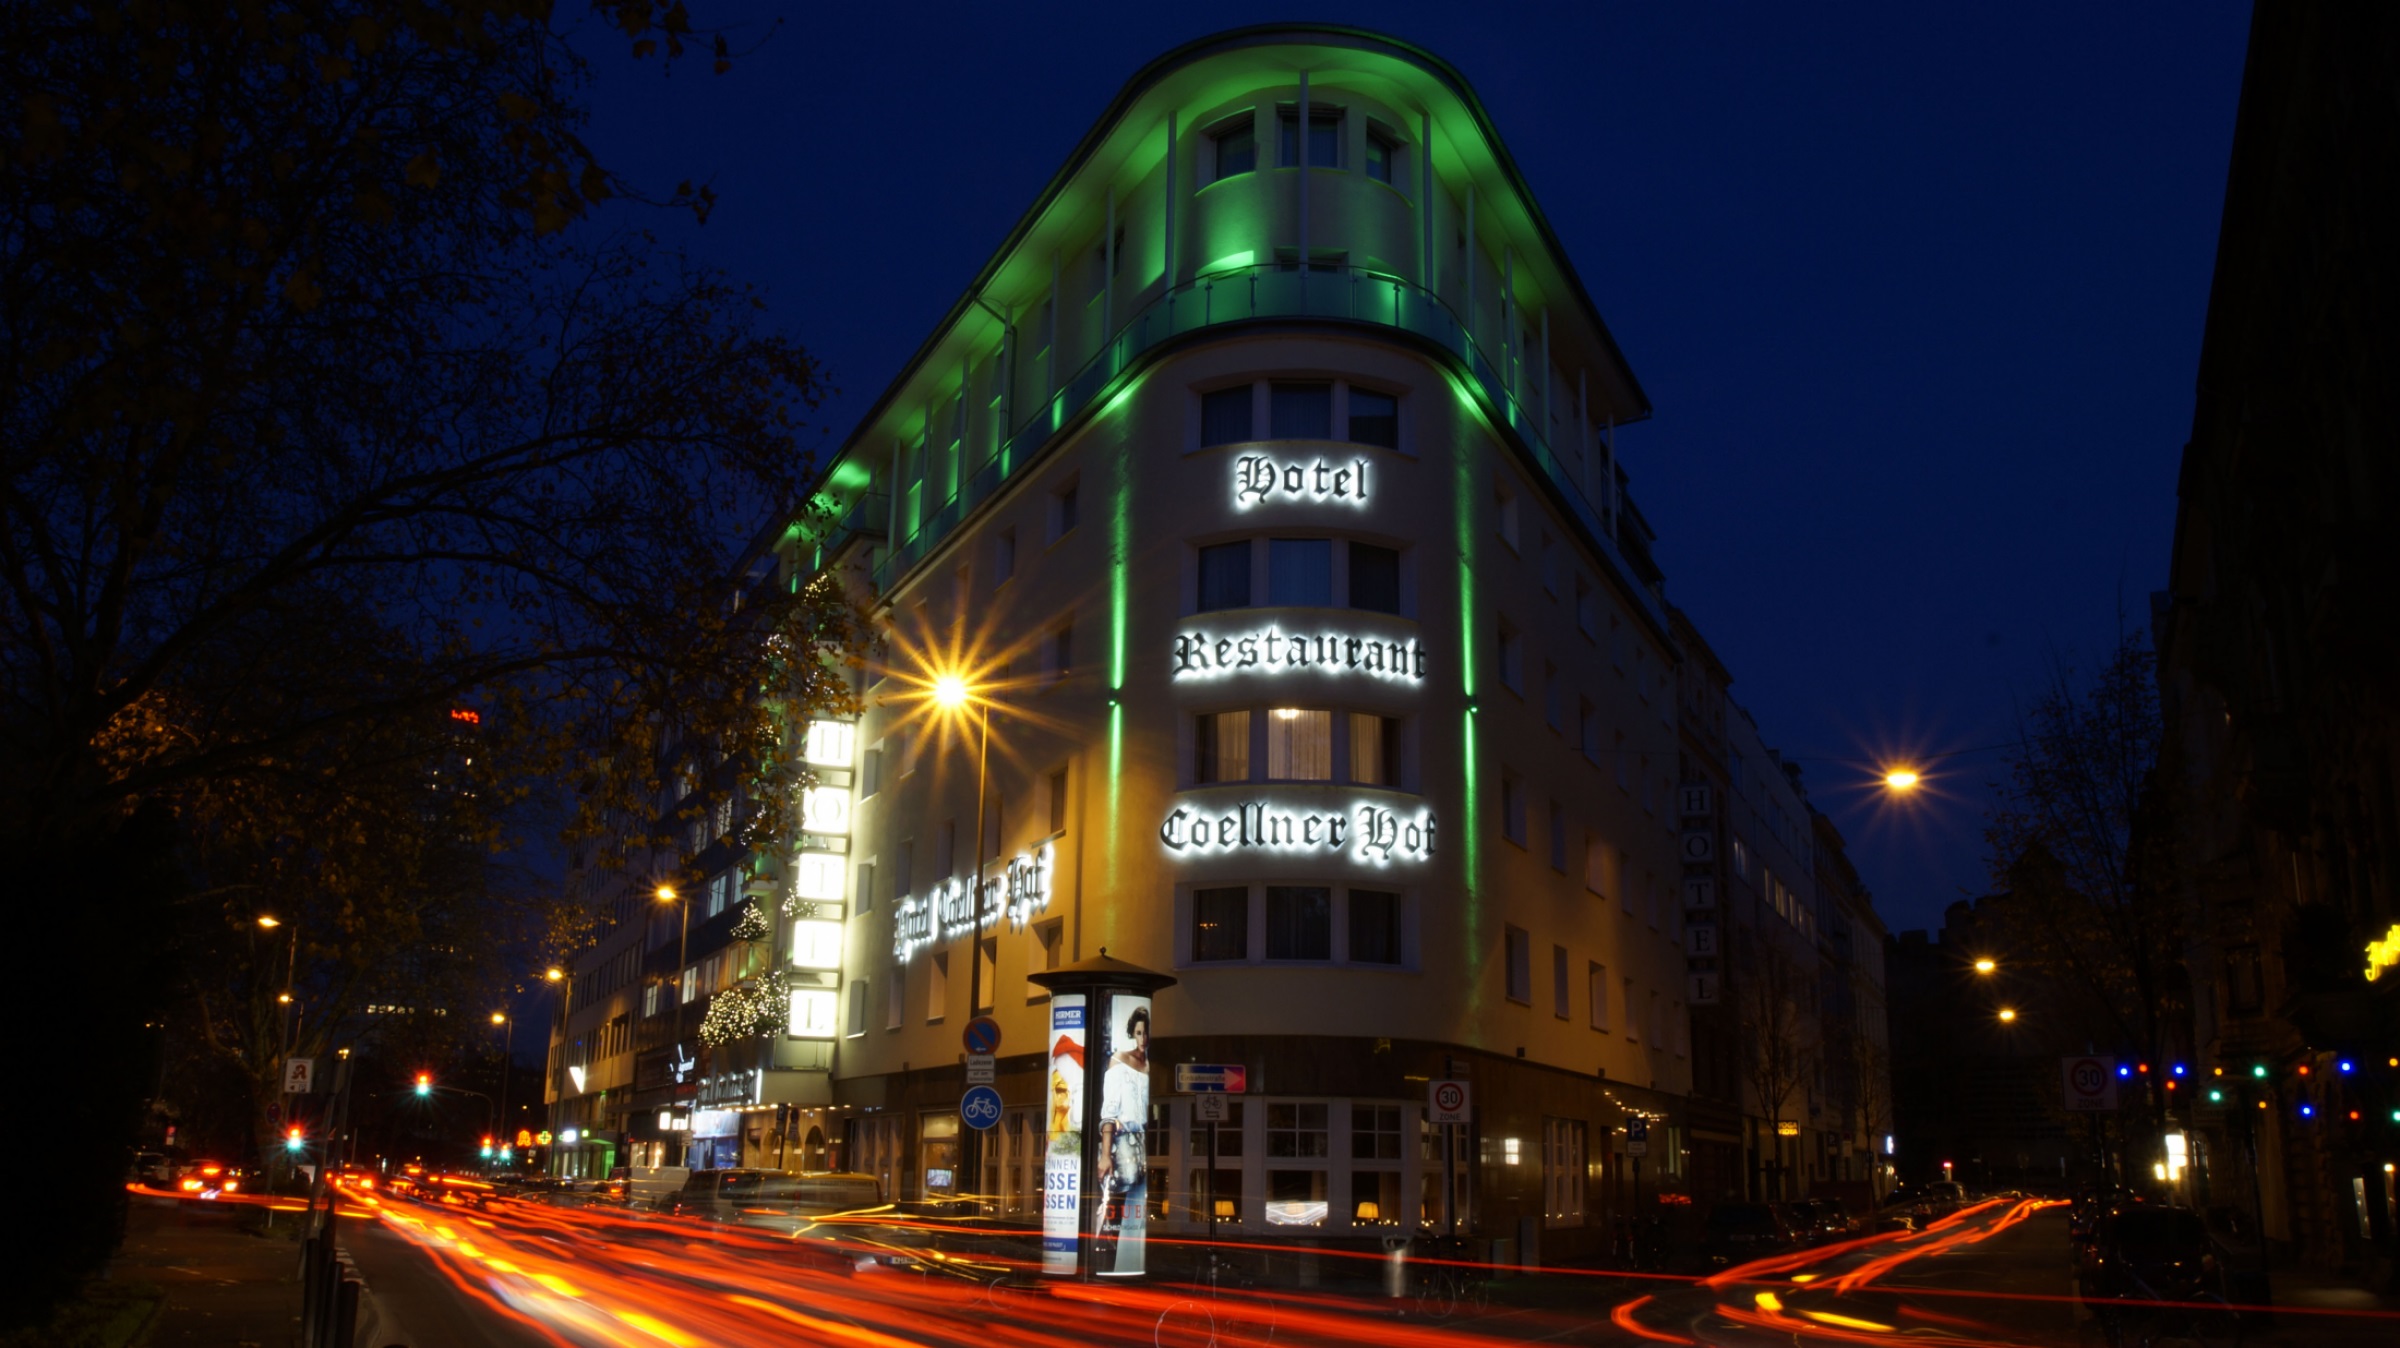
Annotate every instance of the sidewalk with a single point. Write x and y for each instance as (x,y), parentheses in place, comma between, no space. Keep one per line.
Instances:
(2367,1317)
(227,1285)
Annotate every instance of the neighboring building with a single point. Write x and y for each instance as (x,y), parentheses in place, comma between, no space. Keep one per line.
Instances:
(1857,1042)
(2279,658)
(1773,980)
(1262,484)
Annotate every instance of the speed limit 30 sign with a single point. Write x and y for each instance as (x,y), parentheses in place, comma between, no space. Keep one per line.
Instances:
(2090,1083)
(1448,1102)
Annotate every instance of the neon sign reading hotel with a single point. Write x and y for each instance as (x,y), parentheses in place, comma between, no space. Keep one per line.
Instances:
(1272,650)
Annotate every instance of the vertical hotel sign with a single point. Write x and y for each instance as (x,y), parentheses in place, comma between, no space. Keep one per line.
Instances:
(819,884)
(1703,977)
(1062,1159)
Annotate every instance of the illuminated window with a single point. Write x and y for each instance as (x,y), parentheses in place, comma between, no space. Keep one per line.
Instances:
(1374,749)
(1220,924)
(1225,416)
(1221,747)
(1299,745)
(1374,927)
(858,1007)
(1563,1169)
(1225,576)
(1299,922)
(1300,571)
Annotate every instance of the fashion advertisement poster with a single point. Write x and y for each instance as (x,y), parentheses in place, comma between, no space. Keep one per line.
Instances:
(1122,1169)
(1062,1161)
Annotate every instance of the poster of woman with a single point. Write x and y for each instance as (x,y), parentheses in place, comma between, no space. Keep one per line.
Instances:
(1122,1170)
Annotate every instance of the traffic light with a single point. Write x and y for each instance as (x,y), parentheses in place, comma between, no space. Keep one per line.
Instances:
(295,1138)
(2258,1070)
(424,1083)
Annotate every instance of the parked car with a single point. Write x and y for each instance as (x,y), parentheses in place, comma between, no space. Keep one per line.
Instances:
(1737,1233)
(2147,1252)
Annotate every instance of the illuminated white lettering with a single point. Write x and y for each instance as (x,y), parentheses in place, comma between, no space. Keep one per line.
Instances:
(1369,832)
(1258,479)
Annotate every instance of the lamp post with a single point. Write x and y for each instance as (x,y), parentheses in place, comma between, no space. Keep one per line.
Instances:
(291,968)
(667,894)
(951,692)
(508,1049)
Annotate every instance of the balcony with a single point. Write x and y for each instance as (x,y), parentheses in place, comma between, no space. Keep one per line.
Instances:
(1253,294)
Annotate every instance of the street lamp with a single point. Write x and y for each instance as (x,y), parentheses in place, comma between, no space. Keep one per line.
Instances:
(952,693)
(2008,1015)
(291,966)
(666,894)
(1986,965)
(508,1049)
(1902,779)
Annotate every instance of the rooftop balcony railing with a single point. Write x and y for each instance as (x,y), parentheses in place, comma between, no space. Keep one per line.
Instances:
(1248,295)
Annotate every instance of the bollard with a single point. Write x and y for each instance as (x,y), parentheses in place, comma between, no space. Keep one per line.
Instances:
(345,1313)
(311,1258)
(1395,1266)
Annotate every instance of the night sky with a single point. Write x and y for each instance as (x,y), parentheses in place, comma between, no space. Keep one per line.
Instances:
(1917,294)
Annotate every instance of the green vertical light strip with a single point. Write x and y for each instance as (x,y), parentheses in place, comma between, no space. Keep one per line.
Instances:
(1471,796)
(1120,554)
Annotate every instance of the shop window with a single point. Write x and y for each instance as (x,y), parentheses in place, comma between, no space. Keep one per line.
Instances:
(1300,411)
(1297,1130)
(1225,576)
(1564,1145)
(1374,418)
(1225,416)
(1374,749)
(1220,925)
(1520,965)
(1374,926)
(1299,745)
(1221,747)
(1300,571)
(1299,922)
(1374,578)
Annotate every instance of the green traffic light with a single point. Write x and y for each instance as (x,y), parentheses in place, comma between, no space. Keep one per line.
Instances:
(2216,1097)
(2259,1070)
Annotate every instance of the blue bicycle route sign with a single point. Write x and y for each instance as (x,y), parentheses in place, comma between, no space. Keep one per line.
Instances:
(980,1107)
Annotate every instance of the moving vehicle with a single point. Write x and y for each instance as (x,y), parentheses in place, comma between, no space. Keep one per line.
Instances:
(781,1200)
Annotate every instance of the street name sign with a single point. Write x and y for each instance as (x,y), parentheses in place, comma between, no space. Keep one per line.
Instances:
(2090,1083)
(1195,1078)
(1449,1102)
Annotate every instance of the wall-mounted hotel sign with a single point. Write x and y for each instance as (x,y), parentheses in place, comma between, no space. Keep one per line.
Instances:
(1258,478)
(1366,832)
(1014,894)
(1272,650)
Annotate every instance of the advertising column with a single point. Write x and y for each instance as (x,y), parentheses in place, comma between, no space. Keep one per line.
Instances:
(1062,1160)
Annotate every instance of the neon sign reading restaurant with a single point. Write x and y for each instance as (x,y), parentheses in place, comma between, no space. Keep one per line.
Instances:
(1272,650)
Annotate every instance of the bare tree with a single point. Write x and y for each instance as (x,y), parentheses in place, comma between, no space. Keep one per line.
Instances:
(1779,1036)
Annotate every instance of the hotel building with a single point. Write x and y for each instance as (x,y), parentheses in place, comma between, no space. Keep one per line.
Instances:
(1262,484)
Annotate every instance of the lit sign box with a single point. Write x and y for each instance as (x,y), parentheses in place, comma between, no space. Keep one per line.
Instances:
(1016,893)
(1272,650)
(1258,478)
(1366,832)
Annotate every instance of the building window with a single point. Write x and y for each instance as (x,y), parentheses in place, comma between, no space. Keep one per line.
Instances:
(1221,747)
(1374,578)
(1300,571)
(1558,837)
(1512,808)
(1062,651)
(1058,799)
(1509,650)
(1549,563)
(1300,411)
(1220,925)
(1651,1025)
(858,1008)
(1596,987)
(1237,148)
(1563,1168)
(895,998)
(1587,728)
(945,849)
(1560,993)
(1380,151)
(1633,1029)
(1374,749)
(1374,926)
(987,973)
(1504,512)
(1324,137)
(1225,576)
(937,985)
(1520,965)
(1225,416)
(1553,698)
(2245,985)
(1624,764)
(866,887)
(1299,922)
(1065,510)
(1049,939)
(1374,418)
(1299,745)
(1004,556)
(1586,606)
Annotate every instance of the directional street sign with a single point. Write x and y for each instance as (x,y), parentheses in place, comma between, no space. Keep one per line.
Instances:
(980,1107)
(1449,1102)
(1197,1077)
(981,1035)
(2091,1083)
(1209,1108)
(979,1069)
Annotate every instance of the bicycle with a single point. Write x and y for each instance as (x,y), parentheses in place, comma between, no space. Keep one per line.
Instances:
(1192,1323)
(1445,1281)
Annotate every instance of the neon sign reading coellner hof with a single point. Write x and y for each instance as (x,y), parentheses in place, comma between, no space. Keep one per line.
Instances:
(1366,832)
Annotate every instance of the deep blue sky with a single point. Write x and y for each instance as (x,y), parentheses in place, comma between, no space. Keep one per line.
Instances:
(1916,290)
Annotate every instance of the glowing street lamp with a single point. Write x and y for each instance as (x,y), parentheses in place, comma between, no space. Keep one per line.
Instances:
(2008,1015)
(1902,779)
(952,693)
(1986,965)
